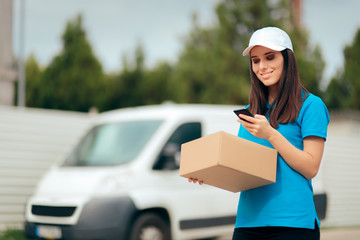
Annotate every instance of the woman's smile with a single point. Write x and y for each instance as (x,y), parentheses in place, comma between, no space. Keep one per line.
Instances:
(266,75)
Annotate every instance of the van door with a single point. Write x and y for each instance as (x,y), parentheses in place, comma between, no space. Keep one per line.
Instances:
(193,207)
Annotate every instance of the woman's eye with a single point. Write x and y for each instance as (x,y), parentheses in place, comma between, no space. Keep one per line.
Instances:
(270,57)
(255,61)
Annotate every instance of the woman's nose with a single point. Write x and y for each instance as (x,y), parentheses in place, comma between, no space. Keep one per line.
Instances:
(263,65)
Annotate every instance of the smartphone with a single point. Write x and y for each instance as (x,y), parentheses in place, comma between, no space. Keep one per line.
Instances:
(244,111)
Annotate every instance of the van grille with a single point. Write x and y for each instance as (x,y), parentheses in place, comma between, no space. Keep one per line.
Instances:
(52,211)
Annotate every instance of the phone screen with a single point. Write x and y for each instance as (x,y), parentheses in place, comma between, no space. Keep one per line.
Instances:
(244,111)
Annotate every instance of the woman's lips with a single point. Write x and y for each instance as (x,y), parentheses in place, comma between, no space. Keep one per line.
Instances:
(266,75)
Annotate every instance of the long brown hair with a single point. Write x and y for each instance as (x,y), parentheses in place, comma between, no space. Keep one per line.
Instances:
(286,107)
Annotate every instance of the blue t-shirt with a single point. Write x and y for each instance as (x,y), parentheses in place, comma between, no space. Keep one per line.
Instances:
(289,201)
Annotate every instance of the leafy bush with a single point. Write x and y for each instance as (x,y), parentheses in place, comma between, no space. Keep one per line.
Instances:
(12,234)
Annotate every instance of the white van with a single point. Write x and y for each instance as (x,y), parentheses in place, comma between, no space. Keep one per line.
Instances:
(122,180)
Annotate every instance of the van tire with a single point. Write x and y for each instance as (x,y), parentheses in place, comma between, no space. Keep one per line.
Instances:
(150,226)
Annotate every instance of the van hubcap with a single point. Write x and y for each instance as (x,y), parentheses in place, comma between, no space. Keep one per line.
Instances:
(151,233)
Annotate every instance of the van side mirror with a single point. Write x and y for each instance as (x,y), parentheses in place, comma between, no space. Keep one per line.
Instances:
(172,151)
(169,158)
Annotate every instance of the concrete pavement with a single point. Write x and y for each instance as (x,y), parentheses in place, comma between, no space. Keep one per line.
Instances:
(340,234)
(330,234)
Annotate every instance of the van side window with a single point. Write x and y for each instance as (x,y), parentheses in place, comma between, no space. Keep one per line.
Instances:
(169,158)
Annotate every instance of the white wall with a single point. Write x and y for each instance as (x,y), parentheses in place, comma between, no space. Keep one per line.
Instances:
(341,170)
(31,140)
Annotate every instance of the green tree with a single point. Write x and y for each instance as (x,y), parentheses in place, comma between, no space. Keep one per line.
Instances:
(337,93)
(157,88)
(125,89)
(343,89)
(310,60)
(351,75)
(74,78)
(33,82)
(135,85)
(211,68)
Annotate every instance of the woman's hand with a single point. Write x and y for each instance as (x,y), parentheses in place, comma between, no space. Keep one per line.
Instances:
(258,126)
(195,181)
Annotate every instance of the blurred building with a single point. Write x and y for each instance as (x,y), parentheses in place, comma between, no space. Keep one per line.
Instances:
(297,11)
(7,73)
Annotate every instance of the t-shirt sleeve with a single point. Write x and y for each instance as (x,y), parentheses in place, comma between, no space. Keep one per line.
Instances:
(314,117)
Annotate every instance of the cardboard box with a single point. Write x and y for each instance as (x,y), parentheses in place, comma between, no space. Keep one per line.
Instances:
(229,162)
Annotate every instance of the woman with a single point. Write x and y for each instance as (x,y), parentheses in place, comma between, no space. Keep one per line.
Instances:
(294,122)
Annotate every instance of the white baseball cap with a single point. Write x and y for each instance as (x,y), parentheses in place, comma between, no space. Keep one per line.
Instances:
(270,37)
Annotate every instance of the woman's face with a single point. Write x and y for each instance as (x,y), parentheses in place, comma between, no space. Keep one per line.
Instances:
(267,64)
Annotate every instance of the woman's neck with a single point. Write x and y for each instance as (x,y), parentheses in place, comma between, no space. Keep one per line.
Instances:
(273,94)
(271,100)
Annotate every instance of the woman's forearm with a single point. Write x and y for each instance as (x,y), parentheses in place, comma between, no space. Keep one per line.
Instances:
(306,161)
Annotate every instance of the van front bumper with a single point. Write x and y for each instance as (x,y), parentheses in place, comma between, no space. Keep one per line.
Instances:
(103,218)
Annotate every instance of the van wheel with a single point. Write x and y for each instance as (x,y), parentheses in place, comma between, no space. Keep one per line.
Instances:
(150,226)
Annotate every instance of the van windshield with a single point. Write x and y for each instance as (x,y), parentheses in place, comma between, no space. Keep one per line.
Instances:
(112,144)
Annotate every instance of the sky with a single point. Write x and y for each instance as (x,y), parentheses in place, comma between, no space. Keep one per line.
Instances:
(115,27)
(332,24)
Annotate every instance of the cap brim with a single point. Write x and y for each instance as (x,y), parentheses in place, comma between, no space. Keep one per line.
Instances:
(267,45)
(247,51)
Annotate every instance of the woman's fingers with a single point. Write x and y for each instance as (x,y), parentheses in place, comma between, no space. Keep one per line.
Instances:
(195,181)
